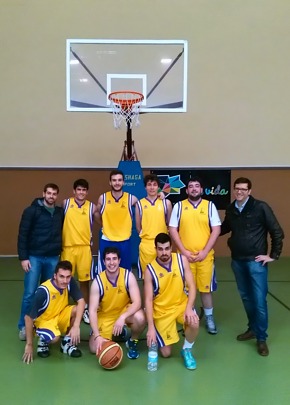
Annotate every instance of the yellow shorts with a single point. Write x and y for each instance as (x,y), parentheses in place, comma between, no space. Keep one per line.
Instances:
(81,260)
(166,329)
(106,323)
(204,274)
(147,253)
(49,329)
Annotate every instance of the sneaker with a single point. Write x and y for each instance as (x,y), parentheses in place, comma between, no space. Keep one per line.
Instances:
(22,333)
(42,349)
(67,348)
(189,360)
(132,349)
(210,325)
(86,317)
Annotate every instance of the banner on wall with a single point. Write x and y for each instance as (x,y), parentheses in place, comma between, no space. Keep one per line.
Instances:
(216,183)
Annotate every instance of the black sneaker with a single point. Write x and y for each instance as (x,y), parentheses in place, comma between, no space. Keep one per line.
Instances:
(42,349)
(67,348)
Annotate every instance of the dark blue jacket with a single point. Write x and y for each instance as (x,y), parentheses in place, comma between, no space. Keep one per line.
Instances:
(40,232)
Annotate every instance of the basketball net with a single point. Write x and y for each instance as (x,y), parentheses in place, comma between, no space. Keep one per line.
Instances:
(126,108)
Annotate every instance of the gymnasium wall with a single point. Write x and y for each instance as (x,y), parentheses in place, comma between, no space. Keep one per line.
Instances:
(20,187)
(238,89)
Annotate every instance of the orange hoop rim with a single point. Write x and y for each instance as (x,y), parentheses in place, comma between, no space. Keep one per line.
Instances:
(119,98)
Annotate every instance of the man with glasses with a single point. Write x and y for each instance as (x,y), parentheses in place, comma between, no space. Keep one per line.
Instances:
(250,221)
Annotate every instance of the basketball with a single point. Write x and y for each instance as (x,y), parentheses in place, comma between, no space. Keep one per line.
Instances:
(110,355)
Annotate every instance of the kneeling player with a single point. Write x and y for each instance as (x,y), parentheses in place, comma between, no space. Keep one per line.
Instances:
(167,303)
(115,301)
(51,315)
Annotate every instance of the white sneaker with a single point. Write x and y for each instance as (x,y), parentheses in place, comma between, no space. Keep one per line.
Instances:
(22,333)
(86,317)
(210,325)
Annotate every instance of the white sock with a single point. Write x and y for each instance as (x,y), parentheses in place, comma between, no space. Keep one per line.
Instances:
(187,345)
(208,311)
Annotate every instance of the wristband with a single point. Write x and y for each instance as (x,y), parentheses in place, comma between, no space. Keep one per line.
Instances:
(96,337)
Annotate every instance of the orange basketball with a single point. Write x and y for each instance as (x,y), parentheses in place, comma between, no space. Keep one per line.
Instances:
(110,355)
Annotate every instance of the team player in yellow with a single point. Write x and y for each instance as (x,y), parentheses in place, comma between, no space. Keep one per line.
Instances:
(167,303)
(195,226)
(51,315)
(114,213)
(152,217)
(115,301)
(77,237)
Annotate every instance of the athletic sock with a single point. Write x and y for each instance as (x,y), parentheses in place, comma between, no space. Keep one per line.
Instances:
(208,311)
(187,344)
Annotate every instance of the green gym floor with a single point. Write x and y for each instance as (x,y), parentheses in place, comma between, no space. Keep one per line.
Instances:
(228,372)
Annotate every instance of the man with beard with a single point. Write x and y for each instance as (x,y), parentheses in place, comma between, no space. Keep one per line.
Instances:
(39,245)
(77,237)
(114,212)
(195,226)
(167,302)
(51,315)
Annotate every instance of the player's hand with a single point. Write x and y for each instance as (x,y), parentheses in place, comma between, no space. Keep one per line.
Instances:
(161,195)
(191,317)
(151,336)
(199,256)
(119,324)
(264,258)
(75,335)
(189,255)
(26,266)
(99,343)
(28,354)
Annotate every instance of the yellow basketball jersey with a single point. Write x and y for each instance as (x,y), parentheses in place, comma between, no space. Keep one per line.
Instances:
(153,217)
(77,227)
(117,217)
(56,301)
(113,298)
(168,286)
(194,226)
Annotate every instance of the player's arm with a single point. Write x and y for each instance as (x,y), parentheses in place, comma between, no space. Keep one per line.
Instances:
(97,211)
(132,308)
(39,300)
(169,210)
(138,218)
(28,351)
(148,292)
(93,313)
(190,315)
(75,330)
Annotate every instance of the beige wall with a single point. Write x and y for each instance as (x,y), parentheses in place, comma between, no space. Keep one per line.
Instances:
(238,90)
(20,187)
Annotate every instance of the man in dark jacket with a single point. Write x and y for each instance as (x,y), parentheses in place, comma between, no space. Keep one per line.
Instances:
(250,221)
(39,245)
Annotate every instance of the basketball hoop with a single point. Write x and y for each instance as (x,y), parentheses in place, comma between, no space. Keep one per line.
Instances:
(126,107)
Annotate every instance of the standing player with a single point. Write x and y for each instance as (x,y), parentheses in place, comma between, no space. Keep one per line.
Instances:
(114,213)
(39,245)
(152,218)
(195,226)
(115,301)
(51,315)
(166,301)
(77,237)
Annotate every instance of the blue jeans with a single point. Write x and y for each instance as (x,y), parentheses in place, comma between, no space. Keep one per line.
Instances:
(252,282)
(42,268)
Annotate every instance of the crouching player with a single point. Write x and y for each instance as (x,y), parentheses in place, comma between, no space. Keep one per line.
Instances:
(51,315)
